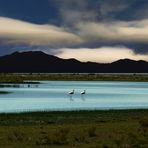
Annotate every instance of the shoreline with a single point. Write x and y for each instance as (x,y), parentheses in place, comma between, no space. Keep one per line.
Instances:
(21,78)
(112,128)
(75,111)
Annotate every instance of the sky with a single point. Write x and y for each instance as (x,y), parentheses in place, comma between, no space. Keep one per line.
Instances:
(89,30)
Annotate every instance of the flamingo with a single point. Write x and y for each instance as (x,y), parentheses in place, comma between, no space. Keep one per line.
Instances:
(83,92)
(82,95)
(71,93)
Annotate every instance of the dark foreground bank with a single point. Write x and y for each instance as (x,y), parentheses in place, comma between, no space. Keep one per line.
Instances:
(116,128)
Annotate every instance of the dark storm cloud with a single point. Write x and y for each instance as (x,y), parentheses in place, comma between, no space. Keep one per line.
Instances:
(35,11)
(100,10)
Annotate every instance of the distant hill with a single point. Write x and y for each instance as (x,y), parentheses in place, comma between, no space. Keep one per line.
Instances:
(39,62)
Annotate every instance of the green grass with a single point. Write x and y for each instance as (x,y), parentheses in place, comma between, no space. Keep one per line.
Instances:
(19,78)
(121,128)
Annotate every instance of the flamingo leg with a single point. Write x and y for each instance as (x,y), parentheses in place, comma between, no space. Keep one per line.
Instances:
(71,99)
(82,97)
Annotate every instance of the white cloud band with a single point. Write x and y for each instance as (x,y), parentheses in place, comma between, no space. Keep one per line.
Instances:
(102,55)
(17,31)
(115,31)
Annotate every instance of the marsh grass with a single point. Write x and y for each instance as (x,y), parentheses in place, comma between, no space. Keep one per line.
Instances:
(118,129)
(16,135)
(20,78)
(81,137)
(92,131)
(144,122)
(59,137)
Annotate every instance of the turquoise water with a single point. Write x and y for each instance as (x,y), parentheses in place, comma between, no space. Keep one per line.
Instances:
(53,95)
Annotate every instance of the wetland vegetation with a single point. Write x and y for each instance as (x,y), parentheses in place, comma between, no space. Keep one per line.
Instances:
(101,129)
(23,78)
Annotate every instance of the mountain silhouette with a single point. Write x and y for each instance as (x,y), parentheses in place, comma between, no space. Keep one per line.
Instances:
(39,62)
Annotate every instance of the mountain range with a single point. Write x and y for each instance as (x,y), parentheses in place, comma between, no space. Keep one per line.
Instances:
(39,62)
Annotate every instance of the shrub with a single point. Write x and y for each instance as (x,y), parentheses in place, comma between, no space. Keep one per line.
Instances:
(58,138)
(81,138)
(16,136)
(61,136)
(144,122)
(92,132)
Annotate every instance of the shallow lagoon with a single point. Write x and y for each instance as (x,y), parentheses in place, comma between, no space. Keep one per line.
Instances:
(53,95)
